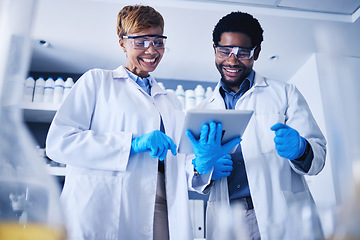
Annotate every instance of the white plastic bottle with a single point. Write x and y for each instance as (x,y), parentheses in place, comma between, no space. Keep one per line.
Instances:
(29,89)
(208,92)
(190,101)
(199,94)
(39,90)
(69,83)
(180,93)
(49,90)
(58,91)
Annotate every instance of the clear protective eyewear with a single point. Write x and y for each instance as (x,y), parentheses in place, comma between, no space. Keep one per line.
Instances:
(143,42)
(224,52)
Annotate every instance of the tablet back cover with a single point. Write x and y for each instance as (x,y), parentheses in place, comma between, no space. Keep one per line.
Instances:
(234,124)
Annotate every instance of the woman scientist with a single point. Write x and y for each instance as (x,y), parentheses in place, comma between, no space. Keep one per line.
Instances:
(115,133)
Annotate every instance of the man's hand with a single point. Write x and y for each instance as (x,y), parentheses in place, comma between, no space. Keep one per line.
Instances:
(288,143)
(208,148)
(222,167)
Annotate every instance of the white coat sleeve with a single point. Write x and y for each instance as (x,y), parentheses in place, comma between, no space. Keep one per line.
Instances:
(300,118)
(71,140)
(196,183)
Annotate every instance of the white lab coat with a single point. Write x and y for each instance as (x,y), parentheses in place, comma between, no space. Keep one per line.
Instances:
(276,185)
(107,194)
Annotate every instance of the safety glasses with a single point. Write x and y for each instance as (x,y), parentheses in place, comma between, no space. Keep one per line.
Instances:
(224,52)
(143,42)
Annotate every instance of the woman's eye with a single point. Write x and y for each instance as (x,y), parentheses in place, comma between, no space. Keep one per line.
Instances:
(140,43)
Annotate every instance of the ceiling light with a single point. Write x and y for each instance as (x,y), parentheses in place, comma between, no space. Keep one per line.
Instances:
(274,58)
(43,43)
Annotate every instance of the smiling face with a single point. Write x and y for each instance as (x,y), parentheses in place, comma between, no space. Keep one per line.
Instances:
(139,61)
(234,71)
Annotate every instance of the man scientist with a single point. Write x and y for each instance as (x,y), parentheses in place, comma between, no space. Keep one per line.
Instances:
(281,144)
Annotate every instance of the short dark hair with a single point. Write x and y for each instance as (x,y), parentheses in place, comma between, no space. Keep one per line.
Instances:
(242,23)
(133,19)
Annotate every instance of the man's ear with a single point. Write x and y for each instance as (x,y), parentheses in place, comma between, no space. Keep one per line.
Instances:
(257,52)
(214,48)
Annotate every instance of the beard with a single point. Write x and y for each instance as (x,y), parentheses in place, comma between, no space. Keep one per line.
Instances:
(233,82)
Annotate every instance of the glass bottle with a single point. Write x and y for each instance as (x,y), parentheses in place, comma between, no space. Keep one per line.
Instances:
(348,217)
(29,197)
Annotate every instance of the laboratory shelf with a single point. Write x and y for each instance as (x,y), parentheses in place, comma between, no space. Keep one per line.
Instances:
(39,112)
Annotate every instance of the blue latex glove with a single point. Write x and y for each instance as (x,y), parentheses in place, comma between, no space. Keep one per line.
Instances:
(156,142)
(288,143)
(208,148)
(222,167)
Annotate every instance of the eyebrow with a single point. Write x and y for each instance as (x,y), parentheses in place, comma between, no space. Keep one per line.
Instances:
(142,36)
(232,46)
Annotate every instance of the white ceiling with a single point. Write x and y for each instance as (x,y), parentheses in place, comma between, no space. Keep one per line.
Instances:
(82,34)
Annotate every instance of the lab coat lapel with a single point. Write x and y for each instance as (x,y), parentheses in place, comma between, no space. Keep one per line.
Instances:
(216,100)
(121,73)
(156,89)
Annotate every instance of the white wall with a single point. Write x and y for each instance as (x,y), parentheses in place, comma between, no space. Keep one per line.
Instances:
(322,186)
(338,62)
(340,87)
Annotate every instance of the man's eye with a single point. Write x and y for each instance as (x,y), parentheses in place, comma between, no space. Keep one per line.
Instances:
(243,54)
(159,42)
(224,52)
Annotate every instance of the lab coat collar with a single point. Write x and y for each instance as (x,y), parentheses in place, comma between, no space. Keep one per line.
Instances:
(216,98)
(121,73)
(259,81)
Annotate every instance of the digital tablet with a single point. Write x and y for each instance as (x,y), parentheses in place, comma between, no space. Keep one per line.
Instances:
(234,123)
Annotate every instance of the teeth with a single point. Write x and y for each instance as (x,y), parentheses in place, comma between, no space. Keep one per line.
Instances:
(232,71)
(149,60)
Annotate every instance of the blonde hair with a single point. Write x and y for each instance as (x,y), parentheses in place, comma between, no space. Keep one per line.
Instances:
(132,19)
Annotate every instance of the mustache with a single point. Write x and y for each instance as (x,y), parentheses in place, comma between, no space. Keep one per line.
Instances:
(231,66)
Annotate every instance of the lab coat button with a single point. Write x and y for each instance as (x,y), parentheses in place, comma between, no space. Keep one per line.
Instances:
(146,229)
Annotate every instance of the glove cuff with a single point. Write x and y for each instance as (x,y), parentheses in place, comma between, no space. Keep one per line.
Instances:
(302,147)
(132,147)
(200,169)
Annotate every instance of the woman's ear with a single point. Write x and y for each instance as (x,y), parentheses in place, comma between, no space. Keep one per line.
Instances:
(122,44)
